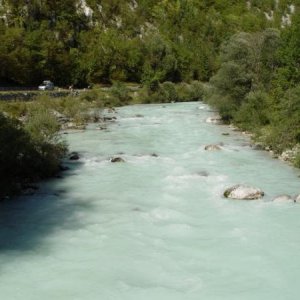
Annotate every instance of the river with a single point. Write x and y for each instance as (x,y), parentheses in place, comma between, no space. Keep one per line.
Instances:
(155,227)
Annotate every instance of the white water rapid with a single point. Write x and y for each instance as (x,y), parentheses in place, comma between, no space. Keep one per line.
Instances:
(155,227)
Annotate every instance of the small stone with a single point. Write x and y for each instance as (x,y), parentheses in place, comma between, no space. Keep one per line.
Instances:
(74,156)
(117,159)
(212,147)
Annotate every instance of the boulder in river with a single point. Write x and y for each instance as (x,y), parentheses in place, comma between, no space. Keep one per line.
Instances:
(74,156)
(117,159)
(283,198)
(243,192)
(212,147)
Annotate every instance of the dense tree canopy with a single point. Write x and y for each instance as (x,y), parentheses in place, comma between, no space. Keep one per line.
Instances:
(92,41)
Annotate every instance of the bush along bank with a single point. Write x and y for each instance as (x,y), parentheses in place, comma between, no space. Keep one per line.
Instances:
(257,88)
(30,131)
(31,142)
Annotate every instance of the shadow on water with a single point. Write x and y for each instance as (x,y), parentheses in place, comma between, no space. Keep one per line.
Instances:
(25,222)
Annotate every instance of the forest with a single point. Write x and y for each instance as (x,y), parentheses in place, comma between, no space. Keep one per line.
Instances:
(246,54)
(88,41)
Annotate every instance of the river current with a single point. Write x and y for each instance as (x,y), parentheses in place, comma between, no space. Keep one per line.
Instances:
(156,226)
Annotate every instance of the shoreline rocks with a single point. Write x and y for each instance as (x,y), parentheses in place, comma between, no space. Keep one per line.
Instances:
(216,119)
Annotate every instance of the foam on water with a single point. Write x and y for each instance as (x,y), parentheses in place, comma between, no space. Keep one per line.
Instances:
(155,227)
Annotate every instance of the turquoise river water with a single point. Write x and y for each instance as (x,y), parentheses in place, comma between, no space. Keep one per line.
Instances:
(155,227)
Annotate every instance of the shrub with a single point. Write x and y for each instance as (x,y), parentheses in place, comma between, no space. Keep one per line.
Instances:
(119,94)
(296,161)
(253,112)
(25,154)
(196,91)
(90,95)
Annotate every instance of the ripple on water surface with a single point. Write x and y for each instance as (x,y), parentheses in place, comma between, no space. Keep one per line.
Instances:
(156,226)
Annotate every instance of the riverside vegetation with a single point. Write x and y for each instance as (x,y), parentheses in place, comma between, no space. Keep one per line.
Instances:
(247,52)
(30,132)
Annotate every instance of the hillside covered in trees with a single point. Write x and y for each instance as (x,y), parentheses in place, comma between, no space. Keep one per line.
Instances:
(98,41)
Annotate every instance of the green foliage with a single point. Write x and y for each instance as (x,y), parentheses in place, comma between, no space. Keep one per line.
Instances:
(163,93)
(120,94)
(253,112)
(122,40)
(258,86)
(296,160)
(42,126)
(247,66)
(26,155)
(190,92)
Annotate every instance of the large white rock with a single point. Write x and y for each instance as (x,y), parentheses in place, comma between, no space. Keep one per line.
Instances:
(243,192)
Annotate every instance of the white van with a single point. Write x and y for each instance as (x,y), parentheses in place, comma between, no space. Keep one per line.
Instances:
(46,85)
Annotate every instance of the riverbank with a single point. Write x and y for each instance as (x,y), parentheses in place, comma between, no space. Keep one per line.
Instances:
(107,230)
(39,124)
(288,156)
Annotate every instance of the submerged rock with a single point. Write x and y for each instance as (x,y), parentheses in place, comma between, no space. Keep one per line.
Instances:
(29,190)
(154,155)
(243,192)
(203,173)
(117,159)
(63,168)
(283,198)
(212,147)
